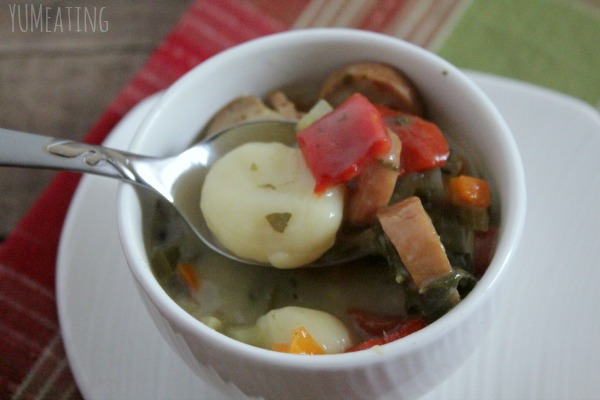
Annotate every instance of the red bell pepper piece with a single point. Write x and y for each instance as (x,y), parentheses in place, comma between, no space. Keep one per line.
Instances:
(423,144)
(340,144)
(374,324)
(484,247)
(410,326)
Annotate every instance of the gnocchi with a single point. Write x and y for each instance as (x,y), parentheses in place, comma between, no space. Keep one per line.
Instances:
(267,210)
(277,326)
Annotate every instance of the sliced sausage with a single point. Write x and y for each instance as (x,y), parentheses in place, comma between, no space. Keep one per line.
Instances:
(374,186)
(283,105)
(240,110)
(380,83)
(409,228)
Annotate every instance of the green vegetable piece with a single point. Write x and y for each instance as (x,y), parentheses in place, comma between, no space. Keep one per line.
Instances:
(279,221)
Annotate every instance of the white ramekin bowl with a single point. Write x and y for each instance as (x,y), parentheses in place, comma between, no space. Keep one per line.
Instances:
(409,367)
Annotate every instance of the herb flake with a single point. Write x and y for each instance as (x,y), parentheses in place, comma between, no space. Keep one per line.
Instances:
(267,186)
(279,221)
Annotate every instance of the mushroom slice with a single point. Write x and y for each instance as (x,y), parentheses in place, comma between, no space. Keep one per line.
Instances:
(240,110)
(380,83)
(283,105)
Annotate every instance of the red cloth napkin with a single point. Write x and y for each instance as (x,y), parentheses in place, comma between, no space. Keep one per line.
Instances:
(32,359)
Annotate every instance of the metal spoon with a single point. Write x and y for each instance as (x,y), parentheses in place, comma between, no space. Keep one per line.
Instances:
(177,179)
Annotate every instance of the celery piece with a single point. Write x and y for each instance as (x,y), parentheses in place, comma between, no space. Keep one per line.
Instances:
(317,111)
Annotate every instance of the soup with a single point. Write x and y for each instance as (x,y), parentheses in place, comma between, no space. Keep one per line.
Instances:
(414,276)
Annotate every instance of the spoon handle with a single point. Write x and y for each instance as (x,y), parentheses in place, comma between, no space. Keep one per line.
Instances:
(20,149)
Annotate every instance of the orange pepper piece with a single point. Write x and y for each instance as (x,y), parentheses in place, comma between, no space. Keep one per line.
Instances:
(281,347)
(302,343)
(468,191)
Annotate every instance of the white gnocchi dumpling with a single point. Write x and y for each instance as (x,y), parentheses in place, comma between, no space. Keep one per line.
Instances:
(258,201)
(278,325)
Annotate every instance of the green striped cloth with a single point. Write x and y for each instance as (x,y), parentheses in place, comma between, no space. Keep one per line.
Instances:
(551,43)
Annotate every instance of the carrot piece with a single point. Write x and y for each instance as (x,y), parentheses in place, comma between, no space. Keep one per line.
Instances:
(188,275)
(302,343)
(468,191)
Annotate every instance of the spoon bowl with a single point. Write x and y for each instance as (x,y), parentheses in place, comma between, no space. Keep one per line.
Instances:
(177,179)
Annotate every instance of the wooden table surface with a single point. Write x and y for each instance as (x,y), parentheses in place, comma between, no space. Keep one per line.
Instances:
(58,83)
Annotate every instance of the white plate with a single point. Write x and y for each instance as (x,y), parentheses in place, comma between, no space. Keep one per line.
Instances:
(546,343)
